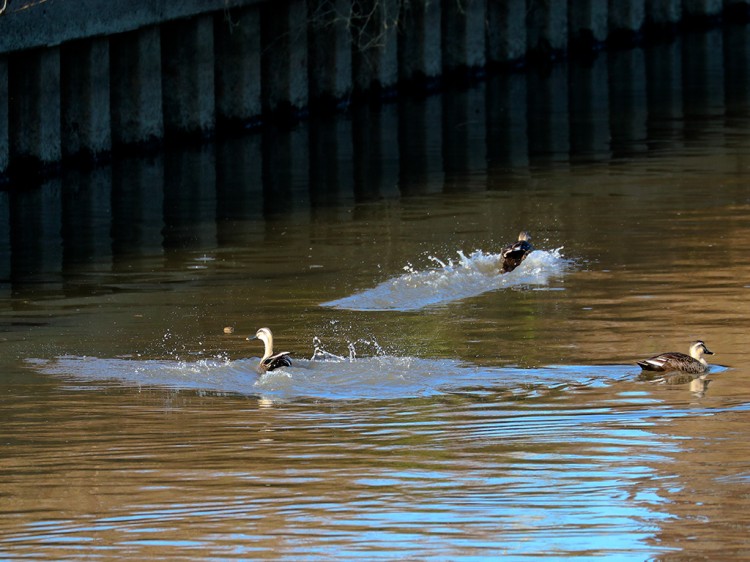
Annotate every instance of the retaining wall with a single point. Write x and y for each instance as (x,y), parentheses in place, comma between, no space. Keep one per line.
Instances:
(81,78)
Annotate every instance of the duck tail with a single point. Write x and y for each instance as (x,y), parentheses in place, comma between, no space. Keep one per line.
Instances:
(646,366)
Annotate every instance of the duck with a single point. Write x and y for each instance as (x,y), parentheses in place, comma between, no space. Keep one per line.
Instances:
(675,361)
(270,361)
(513,254)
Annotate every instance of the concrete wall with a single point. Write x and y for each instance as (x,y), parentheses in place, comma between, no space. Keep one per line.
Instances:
(79,79)
(29,24)
(636,104)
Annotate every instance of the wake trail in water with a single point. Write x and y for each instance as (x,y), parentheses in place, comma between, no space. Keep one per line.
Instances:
(327,376)
(469,276)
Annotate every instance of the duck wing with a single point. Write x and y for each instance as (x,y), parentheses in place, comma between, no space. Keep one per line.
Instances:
(276,361)
(672,361)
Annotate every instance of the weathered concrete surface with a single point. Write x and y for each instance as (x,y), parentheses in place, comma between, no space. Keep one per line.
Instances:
(136,86)
(82,77)
(284,78)
(86,126)
(237,48)
(375,60)
(506,31)
(626,19)
(34,84)
(588,20)
(703,7)
(4,131)
(547,22)
(26,24)
(664,12)
(188,76)
(464,37)
(419,50)
(330,50)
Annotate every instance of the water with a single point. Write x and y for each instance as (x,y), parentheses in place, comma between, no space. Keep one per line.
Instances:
(435,409)
(470,276)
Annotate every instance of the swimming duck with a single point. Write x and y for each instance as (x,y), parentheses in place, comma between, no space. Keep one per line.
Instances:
(674,361)
(515,253)
(269,361)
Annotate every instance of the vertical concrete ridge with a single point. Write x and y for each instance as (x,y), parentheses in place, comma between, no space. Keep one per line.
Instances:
(420,55)
(711,8)
(588,20)
(547,23)
(85,89)
(626,21)
(284,77)
(464,36)
(34,86)
(237,70)
(506,31)
(136,87)
(375,49)
(664,12)
(78,80)
(188,77)
(4,131)
(330,52)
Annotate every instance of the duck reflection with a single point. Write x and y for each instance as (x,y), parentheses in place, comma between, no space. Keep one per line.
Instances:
(698,385)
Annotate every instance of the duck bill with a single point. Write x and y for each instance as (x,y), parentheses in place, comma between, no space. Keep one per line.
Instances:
(707,351)
(251,338)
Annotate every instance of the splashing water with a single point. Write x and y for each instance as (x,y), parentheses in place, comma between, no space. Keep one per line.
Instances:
(329,377)
(468,277)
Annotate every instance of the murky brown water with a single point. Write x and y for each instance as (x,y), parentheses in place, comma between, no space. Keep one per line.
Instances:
(467,417)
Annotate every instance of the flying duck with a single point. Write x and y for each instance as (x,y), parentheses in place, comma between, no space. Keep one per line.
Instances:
(515,253)
(674,361)
(269,361)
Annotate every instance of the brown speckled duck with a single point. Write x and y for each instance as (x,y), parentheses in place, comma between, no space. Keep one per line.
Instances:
(675,361)
(270,361)
(515,253)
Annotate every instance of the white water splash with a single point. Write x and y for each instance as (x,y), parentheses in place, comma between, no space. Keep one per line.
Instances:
(328,377)
(467,277)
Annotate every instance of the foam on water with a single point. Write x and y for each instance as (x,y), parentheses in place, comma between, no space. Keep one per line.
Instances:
(327,376)
(467,277)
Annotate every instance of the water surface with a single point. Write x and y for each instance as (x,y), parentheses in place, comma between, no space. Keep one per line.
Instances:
(435,408)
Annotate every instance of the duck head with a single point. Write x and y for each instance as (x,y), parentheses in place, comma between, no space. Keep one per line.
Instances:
(264,335)
(698,349)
